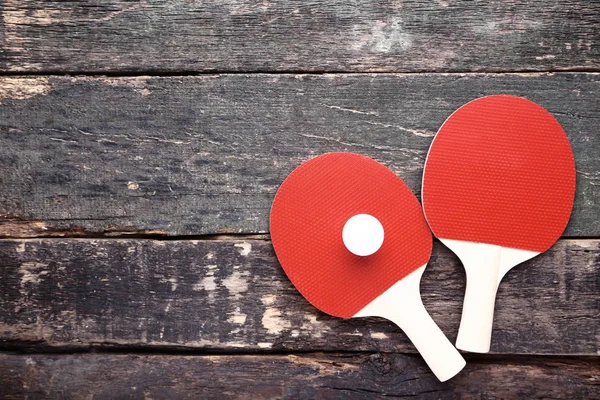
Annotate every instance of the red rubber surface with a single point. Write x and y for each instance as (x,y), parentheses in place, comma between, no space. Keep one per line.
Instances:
(500,171)
(307,218)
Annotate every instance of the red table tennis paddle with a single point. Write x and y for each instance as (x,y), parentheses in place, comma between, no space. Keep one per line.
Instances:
(351,237)
(498,189)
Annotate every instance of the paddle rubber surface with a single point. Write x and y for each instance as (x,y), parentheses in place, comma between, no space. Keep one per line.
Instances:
(500,171)
(307,219)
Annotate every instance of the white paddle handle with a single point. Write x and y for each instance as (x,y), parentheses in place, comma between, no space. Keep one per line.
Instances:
(435,348)
(484,269)
(402,305)
(475,331)
(485,266)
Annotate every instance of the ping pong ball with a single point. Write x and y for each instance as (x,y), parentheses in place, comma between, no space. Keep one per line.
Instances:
(363,234)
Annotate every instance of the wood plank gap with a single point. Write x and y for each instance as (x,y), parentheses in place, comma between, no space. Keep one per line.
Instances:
(141,235)
(516,358)
(182,73)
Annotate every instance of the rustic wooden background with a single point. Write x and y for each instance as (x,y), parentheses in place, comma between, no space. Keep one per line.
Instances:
(141,144)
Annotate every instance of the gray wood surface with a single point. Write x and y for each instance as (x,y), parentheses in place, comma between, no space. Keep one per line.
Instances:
(180,36)
(233,296)
(307,376)
(205,155)
(208,106)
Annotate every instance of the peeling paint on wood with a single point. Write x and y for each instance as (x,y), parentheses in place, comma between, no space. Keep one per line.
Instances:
(23,88)
(241,35)
(69,293)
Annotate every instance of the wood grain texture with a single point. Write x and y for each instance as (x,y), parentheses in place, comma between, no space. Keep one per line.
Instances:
(233,295)
(331,35)
(310,376)
(205,155)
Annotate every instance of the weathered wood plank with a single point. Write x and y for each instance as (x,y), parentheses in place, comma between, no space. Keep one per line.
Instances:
(234,295)
(205,155)
(331,35)
(342,376)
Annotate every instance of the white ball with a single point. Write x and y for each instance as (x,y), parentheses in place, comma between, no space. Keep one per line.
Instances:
(363,234)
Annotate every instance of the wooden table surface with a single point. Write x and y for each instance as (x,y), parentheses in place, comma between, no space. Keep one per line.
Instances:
(141,144)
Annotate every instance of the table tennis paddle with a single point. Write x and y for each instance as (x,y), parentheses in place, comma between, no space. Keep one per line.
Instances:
(352,238)
(498,189)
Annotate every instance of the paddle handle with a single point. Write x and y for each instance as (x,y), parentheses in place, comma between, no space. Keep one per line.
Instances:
(475,331)
(435,348)
(485,266)
(483,269)
(402,305)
